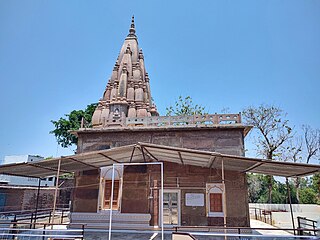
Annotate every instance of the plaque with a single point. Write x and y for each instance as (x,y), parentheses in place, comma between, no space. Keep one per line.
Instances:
(194,199)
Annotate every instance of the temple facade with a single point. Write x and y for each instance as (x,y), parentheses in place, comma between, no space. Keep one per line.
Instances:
(194,195)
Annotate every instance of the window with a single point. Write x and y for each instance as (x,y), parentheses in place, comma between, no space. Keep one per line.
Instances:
(107,194)
(215,200)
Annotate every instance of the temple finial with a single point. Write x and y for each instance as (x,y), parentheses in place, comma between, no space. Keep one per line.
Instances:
(132,30)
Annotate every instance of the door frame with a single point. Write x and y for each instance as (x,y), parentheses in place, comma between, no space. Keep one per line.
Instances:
(178,191)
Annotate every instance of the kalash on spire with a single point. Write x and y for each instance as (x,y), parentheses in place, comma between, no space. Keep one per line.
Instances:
(127,93)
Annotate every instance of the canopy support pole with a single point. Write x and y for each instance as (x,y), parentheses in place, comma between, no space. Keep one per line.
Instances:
(111,202)
(37,203)
(56,193)
(224,205)
(289,196)
(161,206)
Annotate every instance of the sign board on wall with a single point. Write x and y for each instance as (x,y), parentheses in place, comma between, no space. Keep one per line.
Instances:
(194,199)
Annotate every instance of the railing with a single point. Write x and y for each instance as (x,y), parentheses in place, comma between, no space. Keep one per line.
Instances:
(242,232)
(164,121)
(307,227)
(160,121)
(261,215)
(42,231)
(30,217)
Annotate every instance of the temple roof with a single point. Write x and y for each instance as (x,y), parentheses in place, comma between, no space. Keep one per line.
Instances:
(127,93)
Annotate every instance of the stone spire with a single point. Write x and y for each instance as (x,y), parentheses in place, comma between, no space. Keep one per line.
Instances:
(132,30)
(127,93)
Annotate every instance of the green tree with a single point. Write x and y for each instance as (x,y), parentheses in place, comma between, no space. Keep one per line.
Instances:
(308,196)
(315,185)
(185,106)
(273,131)
(72,121)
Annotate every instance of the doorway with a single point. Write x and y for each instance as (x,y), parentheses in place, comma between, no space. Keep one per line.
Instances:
(171,207)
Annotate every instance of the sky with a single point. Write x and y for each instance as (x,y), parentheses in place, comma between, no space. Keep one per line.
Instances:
(56,56)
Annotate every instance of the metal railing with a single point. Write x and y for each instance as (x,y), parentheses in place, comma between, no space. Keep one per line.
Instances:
(261,215)
(42,231)
(30,217)
(307,227)
(245,232)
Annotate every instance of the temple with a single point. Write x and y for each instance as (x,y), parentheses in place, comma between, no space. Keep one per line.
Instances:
(137,170)
(193,192)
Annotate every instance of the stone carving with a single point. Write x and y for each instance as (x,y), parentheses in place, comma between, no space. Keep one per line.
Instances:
(127,93)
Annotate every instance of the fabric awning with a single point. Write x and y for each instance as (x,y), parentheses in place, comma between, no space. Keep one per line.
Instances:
(146,152)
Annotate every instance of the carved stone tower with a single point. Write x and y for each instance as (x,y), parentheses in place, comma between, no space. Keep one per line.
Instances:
(127,93)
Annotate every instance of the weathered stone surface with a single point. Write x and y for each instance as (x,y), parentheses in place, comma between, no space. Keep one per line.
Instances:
(129,84)
(202,139)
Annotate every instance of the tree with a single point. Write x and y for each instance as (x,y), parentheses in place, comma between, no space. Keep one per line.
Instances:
(63,126)
(273,131)
(312,141)
(302,149)
(185,106)
(308,196)
(293,152)
(258,189)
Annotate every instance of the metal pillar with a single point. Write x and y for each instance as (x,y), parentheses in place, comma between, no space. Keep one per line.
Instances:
(289,196)
(224,205)
(161,208)
(161,202)
(56,193)
(111,202)
(37,203)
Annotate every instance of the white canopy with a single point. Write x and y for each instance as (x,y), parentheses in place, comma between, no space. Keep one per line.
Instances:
(146,152)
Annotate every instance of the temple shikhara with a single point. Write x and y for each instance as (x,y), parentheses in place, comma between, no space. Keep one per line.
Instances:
(135,169)
(127,93)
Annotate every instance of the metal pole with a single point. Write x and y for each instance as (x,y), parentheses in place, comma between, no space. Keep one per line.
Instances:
(224,199)
(56,193)
(37,203)
(111,202)
(289,196)
(161,207)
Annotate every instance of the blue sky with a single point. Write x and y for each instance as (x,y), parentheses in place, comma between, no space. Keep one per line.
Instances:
(56,56)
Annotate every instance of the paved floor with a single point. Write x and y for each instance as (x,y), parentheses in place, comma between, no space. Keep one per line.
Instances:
(259,224)
(265,234)
(126,236)
(149,235)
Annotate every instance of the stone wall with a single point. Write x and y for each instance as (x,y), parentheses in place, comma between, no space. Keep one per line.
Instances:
(222,140)
(25,198)
(86,192)
(192,179)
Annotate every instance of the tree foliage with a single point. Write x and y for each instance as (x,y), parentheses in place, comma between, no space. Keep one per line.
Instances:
(72,121)
(258,190)
(185,106)
(273,131)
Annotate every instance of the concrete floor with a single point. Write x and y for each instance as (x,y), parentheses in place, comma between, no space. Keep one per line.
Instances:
(265,234)
(149,235)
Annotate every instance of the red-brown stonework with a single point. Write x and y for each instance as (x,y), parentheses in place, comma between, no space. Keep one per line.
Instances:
(24,198)
(86,192)
(140,190)
(223,140)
